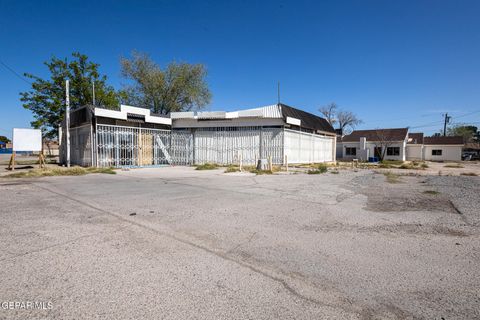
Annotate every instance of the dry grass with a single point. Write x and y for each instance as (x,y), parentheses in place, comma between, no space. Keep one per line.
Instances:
(392,162)
(321,168)
(253,169)
(232,168)
(206,166)
(453,165)
(392,177)
(471,174)
(51,172)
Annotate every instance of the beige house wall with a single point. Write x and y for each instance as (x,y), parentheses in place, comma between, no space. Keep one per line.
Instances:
(449,153)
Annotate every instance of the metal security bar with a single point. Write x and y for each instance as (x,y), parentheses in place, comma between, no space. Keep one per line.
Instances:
(228,145)
(119,146)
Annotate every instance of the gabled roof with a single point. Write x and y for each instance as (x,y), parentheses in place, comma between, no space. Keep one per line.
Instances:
(443,140)
(415,138)
(307,120)
(395,134)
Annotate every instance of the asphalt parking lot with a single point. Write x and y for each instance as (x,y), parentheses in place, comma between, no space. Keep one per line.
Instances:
(175,243)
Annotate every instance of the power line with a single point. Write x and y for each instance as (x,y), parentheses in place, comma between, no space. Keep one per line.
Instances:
(14,72)
(466,114)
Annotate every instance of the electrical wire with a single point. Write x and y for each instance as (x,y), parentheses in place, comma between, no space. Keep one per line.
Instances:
(14,72)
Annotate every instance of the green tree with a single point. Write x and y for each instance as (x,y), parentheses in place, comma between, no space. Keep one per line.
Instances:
(4,139)
(466,131)
(178,87)
(46,99)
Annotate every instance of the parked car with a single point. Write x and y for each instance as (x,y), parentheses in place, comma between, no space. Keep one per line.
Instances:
(470,155)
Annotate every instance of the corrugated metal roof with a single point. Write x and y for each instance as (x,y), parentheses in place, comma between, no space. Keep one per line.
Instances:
(211,115)
(182,115)
(271,111)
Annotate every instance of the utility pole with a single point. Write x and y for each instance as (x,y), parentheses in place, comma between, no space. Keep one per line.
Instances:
(67,120)
(93,92)
(447,120)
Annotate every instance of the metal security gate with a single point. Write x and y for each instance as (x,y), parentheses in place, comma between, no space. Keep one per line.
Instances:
(119,146)
(228,145)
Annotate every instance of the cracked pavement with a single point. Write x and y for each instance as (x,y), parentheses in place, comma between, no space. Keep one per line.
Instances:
(206,245)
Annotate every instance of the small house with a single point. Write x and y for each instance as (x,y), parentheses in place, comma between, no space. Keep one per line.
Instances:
(399,144)
(387,144)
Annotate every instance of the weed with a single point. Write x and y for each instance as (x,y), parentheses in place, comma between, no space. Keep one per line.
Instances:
(232,169)
(392,162)
(407,166)
(206,166)
(321,168)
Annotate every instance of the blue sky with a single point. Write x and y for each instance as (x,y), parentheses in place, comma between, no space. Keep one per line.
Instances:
(394,63)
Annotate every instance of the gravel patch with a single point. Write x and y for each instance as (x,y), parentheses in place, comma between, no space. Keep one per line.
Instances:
(463,192)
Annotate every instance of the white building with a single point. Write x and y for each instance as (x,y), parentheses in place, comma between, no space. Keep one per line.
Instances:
(134,137)
(365,144)
(442,148)
(399,144)
(272,131)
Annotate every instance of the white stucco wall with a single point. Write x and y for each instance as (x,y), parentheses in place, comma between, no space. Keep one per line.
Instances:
(371,151)
(302,147)
(414,152)
(449,153)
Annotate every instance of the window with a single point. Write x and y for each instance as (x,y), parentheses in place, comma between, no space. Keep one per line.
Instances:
(393,151)
(350,151)
(436,152)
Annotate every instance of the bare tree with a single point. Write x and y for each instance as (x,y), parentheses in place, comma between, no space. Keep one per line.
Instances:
(383,140)
(343,119)
(329,112)
(347,120)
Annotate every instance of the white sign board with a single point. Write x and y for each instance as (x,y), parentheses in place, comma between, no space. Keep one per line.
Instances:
(27,139)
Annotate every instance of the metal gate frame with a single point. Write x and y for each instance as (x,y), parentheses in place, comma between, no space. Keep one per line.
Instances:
(122,146)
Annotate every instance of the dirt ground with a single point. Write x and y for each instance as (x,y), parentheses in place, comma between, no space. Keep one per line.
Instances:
(177,243)
(445,168)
